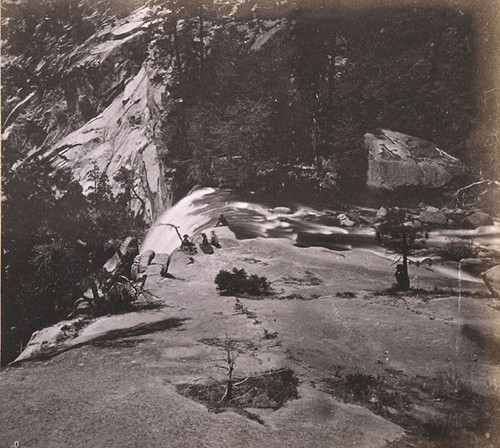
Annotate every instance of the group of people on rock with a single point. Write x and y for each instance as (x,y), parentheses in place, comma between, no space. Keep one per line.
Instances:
(207,247)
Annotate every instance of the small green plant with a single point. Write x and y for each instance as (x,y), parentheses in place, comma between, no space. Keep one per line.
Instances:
(239,282)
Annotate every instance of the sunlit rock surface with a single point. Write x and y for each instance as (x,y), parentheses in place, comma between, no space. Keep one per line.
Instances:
(398,160)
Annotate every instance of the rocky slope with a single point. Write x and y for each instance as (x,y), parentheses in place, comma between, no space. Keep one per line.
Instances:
(434,357)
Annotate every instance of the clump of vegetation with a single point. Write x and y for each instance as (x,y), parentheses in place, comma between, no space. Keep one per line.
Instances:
(270,390)
(238,282)
(55,241)
(118,295)
(458,249)
(369,390)
(441,428)
(346,295)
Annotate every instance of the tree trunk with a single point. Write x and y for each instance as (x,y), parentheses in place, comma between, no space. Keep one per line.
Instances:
(405,285)
(405,281)
(202,49)
(178,60)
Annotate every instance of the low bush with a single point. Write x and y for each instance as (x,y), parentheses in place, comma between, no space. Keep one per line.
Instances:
(458,249)
(239,282)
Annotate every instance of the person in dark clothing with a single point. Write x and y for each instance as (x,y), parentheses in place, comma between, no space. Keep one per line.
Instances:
(214,241)
(401,278)
(205,246)
(222,221)
(187,246)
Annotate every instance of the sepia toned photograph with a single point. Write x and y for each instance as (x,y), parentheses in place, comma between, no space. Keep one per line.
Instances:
(250,223)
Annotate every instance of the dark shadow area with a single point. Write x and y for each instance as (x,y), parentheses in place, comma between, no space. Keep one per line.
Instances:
(114,335)
(487,342)
(439,412)
(118,343)
(141,329)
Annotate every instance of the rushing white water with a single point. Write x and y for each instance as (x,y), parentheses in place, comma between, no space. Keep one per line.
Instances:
(201,209)
(251,217)
(187,215)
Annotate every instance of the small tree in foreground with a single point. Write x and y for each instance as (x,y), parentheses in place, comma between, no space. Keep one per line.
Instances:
(400,237)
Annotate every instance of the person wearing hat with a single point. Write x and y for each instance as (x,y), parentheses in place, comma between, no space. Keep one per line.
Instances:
(187,246)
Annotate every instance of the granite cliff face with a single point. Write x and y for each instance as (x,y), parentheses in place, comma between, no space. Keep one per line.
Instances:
(229,95)
(111,72)
(109,107)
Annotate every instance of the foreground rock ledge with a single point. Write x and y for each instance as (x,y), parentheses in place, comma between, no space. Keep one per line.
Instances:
(118,383)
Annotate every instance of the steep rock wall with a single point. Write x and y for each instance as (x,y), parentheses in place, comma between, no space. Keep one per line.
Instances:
(123,134)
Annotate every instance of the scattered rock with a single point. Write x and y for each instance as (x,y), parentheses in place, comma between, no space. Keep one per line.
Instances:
(83,307)
(141,263)
(354,216)
(282,210)
(345,221)
(370,220)
(130,247)
(431,209)
(112,264)
(381,214)
(327,220)
(433,217)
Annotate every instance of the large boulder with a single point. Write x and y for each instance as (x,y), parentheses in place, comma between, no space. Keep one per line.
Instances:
(123,258)
(397,160)
(491,279)
(141,263)
(477,219)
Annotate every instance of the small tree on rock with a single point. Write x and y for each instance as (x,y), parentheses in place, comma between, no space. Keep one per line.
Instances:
(400,236)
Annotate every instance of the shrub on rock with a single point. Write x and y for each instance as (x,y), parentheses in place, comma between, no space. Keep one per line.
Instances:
(239,282)
(457,250)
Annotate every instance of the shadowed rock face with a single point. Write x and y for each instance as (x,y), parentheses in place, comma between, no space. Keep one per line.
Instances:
(397,160)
